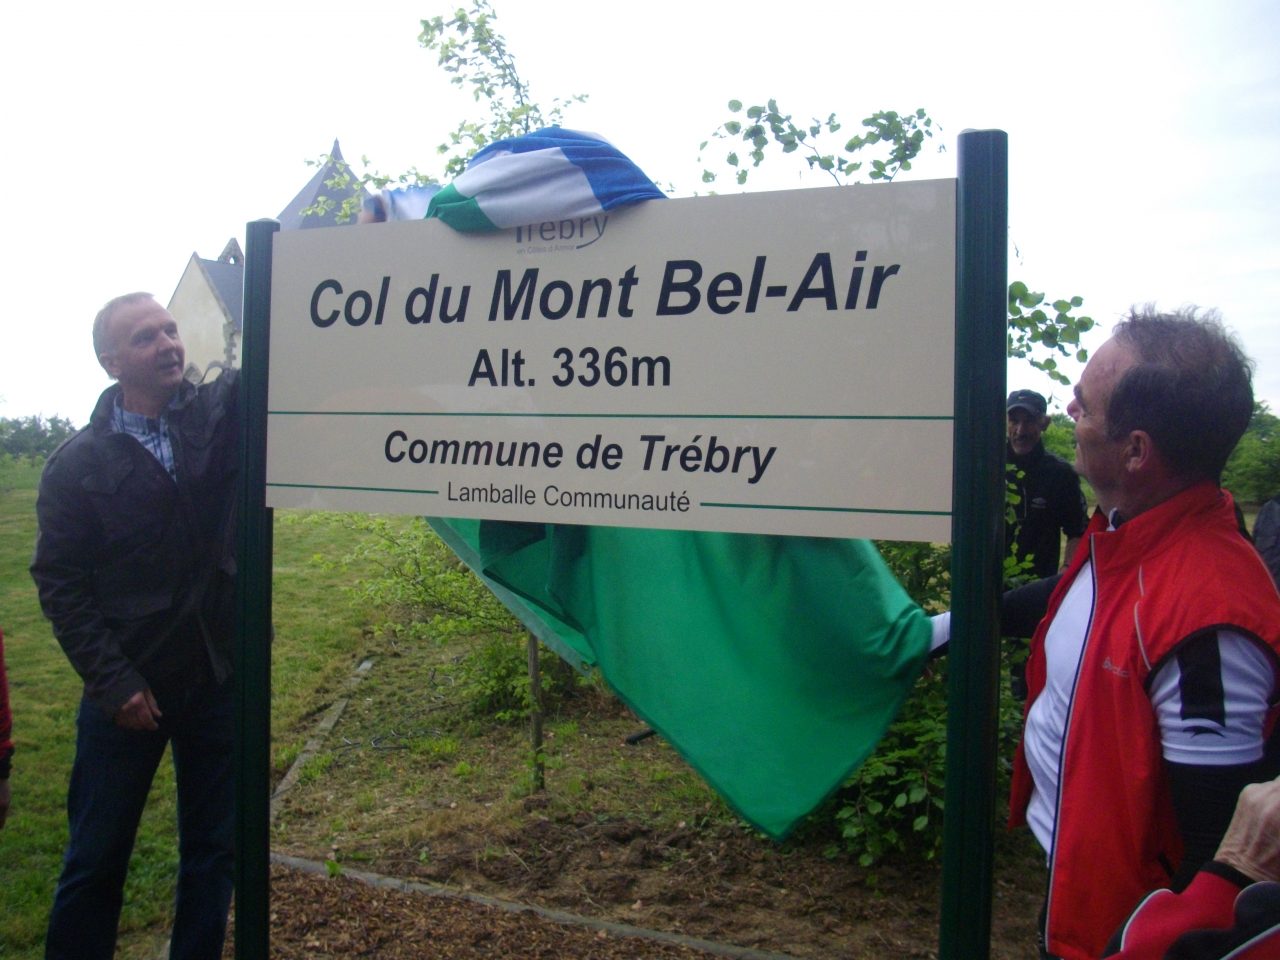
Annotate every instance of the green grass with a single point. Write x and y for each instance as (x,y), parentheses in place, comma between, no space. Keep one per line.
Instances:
(319,640)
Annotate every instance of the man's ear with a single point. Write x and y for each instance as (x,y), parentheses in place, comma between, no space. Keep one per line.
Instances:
(108,362)
(1140,452)
(1044,423)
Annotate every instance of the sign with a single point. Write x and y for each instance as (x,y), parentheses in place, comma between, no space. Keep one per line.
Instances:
(771,363)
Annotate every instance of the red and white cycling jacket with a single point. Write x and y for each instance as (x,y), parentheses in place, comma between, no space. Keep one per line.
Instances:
(1165,577)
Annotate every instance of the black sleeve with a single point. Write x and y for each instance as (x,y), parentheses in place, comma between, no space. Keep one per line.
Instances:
(1075,512)
(1022,608)
(1266,536)
(1204,799)
(6,718)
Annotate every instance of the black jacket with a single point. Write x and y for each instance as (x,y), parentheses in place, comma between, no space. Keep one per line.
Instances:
(1049,504)
(136,572)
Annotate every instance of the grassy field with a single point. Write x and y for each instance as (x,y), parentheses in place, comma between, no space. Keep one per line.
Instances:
(319,640)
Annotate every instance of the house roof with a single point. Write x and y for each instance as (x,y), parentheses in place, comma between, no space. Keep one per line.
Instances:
(291,217)
(225,275)
(227,281)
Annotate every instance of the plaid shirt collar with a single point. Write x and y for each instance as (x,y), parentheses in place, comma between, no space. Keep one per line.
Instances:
(151,432)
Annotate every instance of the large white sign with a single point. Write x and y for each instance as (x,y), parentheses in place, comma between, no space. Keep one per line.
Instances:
(770,363)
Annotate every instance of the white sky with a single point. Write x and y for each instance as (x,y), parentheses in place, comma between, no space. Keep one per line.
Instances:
(1144,136)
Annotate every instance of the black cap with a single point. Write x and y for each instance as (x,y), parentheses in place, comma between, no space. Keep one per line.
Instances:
(1027,400)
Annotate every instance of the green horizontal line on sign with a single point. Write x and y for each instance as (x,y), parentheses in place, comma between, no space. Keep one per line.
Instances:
(328,486)
(611,416)
(787,506)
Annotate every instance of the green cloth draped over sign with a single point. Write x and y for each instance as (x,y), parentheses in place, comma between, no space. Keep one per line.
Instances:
(772,664)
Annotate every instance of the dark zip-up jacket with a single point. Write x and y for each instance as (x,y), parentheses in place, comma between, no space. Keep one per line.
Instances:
(6,718)
(134,570)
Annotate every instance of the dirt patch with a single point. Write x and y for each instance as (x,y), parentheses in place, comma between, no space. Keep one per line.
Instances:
(714,882)
(316,917)
(409,786)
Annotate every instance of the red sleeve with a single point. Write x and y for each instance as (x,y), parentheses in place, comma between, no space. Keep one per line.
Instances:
(1164,916)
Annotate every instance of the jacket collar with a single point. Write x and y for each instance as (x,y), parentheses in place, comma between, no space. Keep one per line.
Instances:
(100,419)
(1149,531)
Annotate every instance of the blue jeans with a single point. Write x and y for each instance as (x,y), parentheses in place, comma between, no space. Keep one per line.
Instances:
(110,780)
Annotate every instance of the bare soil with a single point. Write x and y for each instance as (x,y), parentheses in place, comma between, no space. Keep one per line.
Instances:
(408,785)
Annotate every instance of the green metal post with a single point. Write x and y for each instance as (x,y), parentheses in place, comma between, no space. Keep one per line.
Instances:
(253,613)
(977,537)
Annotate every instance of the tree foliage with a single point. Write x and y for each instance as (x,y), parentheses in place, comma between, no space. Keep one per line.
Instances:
(1038,324)
(1041,330)
(349,186)
(33,436)
(902,136)
(1060,436)
(476,55)
(1253,472)
(469,48)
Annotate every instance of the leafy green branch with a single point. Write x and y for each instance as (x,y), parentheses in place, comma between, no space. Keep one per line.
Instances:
(1040,331)
(475,54)
(1035,324)
(349,186)
(469,48)
(765,124)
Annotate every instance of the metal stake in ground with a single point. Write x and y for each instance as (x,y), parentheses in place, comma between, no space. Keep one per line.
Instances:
(535,715)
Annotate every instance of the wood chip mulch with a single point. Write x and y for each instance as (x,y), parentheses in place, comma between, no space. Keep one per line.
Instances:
(315,916)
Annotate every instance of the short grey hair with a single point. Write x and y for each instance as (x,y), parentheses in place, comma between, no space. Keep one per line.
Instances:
(107,312)
(1191,388)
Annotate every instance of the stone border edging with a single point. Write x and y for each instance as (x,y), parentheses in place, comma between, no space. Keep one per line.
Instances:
(314,742)
(313,745)
(547,913)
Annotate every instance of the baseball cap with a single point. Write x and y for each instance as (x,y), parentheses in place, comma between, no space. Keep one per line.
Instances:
(1027,400)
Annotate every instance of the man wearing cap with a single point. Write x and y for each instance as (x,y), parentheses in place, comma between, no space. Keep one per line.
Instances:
(1049,500)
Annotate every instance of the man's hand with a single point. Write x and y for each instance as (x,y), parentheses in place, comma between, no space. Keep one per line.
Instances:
(1252,842)
(140,712)
(4,801)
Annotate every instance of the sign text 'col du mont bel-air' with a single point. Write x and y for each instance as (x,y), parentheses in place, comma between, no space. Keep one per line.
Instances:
(768,363)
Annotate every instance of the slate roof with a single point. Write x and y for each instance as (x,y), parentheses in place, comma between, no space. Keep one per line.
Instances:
(227,280)
(291,217)
(226,274)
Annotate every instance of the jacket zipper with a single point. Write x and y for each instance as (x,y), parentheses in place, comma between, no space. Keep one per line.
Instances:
(1066,738)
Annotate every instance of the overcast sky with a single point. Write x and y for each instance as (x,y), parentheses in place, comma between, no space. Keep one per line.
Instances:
(1144,136)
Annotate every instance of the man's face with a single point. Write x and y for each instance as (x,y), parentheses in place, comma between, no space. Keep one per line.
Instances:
(1025,429)
(1098,459)
(143,350)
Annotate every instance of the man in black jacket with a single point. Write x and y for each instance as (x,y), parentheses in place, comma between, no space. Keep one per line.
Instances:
(135,566)
(1049,500)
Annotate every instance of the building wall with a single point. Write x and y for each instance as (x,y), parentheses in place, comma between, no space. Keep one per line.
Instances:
(200,317)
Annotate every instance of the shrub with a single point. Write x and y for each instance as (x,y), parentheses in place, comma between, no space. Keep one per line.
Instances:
(421,591)
(420,588)
(493,677)
(894,802)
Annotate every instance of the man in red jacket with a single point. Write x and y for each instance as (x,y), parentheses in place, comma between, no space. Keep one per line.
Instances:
(1153,676)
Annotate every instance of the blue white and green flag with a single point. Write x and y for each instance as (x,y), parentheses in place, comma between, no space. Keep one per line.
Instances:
(552,174)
